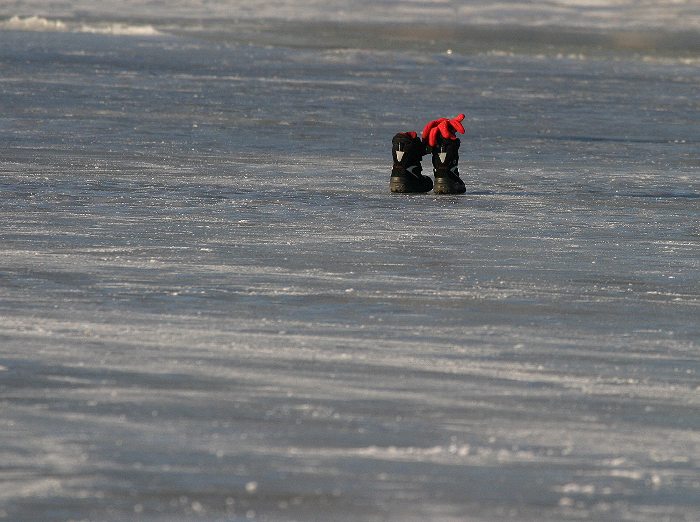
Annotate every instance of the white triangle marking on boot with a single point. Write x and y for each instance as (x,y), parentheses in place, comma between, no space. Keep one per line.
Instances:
(443,156)
(399,155)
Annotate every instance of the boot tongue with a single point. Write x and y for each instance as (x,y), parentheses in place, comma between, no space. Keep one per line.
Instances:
(402,144)
(447,147)
(407,147)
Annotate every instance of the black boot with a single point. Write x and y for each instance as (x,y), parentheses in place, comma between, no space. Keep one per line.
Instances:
(445,159)
(407,151)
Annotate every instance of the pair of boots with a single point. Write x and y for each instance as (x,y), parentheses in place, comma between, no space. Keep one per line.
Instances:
(408,149)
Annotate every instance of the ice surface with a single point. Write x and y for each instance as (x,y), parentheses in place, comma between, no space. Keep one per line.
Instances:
(211,308)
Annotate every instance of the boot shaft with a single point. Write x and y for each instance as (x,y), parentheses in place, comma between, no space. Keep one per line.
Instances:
(407,152)
(446,156)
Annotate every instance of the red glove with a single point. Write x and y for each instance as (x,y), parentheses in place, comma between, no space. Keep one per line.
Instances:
(445,127)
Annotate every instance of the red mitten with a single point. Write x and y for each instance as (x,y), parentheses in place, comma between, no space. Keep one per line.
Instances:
(445,127)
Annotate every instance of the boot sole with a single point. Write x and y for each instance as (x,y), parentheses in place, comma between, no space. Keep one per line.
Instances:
(447,187)
(400,186)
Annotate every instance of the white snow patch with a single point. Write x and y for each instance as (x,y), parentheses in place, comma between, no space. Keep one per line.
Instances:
(40,24)
(33,23)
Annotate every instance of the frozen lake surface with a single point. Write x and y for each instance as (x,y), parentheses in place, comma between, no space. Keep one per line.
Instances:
(211,308)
